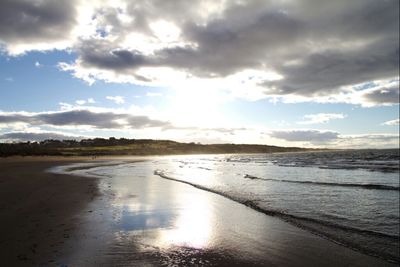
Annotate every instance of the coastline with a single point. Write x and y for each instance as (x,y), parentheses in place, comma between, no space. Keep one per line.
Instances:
(52,219)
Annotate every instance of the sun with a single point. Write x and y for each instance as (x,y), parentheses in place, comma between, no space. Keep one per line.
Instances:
(196,107)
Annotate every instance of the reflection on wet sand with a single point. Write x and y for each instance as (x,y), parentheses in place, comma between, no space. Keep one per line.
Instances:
(192,227)
(188,224)
(150,221)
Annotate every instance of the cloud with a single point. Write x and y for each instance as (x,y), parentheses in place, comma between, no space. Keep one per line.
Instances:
(153,94)
(325,72)
(116,99)
(97,120)
(364,141)
(36,25)
(318,49)
(288,51)
(65,106)
(36,136)
(387,93)
(106,122)
(392,122)
(312,136)
(321,118)
(221,130)
(332,139)
(78,102)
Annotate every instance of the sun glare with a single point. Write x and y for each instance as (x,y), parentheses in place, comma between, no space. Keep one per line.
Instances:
(192,107)
(165,31)
(192,228)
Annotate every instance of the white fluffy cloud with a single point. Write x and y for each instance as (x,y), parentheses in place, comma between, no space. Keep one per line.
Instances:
(392,122)
(321,118)
(116,99)
(153,94)
(80,102)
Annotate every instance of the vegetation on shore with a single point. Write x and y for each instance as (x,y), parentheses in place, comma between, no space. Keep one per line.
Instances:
(123,146)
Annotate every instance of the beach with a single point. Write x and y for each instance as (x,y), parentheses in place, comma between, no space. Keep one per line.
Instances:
(140,219)
(39,210)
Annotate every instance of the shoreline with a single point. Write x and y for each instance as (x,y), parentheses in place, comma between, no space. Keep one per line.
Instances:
(76,210)
(290,219)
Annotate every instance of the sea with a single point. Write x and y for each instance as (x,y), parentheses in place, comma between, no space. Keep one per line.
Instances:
(350,197)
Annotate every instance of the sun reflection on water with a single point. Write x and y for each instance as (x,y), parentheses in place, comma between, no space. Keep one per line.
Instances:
(162,213)
(192,227)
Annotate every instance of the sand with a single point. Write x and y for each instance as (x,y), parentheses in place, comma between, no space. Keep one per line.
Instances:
(59,220)
(38,210)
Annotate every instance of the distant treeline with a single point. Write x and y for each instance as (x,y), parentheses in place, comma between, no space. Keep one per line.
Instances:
(123,146)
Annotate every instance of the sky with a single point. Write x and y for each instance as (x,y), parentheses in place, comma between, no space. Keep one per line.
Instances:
(306,73)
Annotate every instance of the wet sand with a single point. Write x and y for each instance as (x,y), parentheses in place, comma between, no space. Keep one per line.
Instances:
(143,220)
(38,210)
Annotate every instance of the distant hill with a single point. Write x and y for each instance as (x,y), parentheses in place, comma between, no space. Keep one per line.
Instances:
(123,146)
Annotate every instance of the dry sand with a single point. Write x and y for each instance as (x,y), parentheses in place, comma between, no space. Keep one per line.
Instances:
(58,220)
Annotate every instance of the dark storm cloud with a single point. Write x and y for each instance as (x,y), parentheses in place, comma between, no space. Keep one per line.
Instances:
(275,36)
(389,94)
(101,120)
(333,43)
(228,45)
(95,53)
(312,136)
(343,19)
(316,46)
(27,21)
(223,46)
(321,73)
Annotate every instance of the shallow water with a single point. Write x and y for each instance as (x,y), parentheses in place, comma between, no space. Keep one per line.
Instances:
(350,197)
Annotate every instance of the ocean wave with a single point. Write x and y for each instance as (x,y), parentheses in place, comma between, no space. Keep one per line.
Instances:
(313,225)
(364,186)
(386,161)
(90,165)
